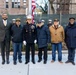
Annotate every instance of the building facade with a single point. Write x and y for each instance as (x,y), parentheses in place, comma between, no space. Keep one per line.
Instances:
(72,7)
(13,7)
(64,6)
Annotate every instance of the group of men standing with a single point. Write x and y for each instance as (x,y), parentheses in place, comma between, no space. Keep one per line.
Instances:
(29,34)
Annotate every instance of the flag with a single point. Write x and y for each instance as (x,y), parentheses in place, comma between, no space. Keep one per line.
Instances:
(33,9)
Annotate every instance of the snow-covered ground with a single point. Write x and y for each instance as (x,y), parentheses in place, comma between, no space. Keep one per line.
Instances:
(38,68)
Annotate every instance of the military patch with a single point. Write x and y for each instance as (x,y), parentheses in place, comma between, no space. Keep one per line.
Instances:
(33,30)
(32,27)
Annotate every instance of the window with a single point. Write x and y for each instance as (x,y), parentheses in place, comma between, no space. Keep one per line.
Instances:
(7,6)
(15,3)
(24,1)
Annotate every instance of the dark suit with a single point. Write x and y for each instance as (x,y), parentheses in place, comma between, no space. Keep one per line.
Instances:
(5,39)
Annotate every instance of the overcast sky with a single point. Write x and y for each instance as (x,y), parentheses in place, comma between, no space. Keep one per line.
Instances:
(41,2)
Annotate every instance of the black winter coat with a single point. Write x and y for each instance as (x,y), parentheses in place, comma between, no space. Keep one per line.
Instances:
(17,34)
(70,35)
(43,36)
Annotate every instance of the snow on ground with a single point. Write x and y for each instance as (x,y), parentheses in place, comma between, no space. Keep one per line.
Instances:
(38,68)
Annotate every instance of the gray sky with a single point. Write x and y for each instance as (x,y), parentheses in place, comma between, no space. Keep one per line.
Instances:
(41,2)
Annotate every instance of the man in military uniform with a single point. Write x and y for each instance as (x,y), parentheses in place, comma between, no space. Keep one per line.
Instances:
(29,36)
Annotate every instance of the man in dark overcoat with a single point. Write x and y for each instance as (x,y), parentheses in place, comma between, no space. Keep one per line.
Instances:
(43,37)
(70,39)
(5,37)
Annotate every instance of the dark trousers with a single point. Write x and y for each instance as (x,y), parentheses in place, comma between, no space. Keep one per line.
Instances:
(17,47)
(71,54)
(40,53)
(5,47)
(58,47)
(28,48)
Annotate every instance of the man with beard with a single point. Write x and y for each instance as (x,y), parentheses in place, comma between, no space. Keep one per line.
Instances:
(70,39)
(5,38)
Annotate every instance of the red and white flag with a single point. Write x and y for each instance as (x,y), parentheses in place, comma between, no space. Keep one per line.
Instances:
(33,8)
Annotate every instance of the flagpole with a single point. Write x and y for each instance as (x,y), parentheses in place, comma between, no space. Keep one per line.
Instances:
(30,7)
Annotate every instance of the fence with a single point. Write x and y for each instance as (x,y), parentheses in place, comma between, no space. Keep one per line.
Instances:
(63,18)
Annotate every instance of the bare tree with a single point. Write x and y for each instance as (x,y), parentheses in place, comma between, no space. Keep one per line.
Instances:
(51,4)
(45,8)
(63,5)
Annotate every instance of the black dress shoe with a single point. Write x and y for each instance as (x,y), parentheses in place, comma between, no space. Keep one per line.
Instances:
(73,62)
(8,62)
(3,62)
(67,61)
(26,62)
(45,62)
(20,61)
(14,62)
(33,62)
(39,60)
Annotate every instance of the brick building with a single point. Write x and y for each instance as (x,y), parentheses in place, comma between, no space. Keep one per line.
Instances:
(72,7)
(13,7)
(67,6)
(64,6)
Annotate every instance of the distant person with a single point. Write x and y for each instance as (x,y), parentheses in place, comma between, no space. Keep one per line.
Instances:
(57,37)
(49,23)
(13,21)
(43,21)
(70,39)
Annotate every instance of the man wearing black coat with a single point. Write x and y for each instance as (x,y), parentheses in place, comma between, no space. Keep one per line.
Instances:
(5,38)
(17,39)
(29,33)
(70,39)
(43,37)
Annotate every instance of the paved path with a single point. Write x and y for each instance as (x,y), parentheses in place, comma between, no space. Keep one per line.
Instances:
(39,68)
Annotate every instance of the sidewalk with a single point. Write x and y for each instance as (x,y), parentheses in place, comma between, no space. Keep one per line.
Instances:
(38,68)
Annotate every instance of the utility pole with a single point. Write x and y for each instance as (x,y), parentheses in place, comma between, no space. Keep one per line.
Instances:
(48,7)
(60,12)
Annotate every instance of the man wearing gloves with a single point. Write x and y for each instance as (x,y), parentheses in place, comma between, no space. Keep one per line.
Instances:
(29,37)
(42,40)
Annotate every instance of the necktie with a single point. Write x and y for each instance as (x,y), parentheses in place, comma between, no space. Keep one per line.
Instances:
(5,23)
